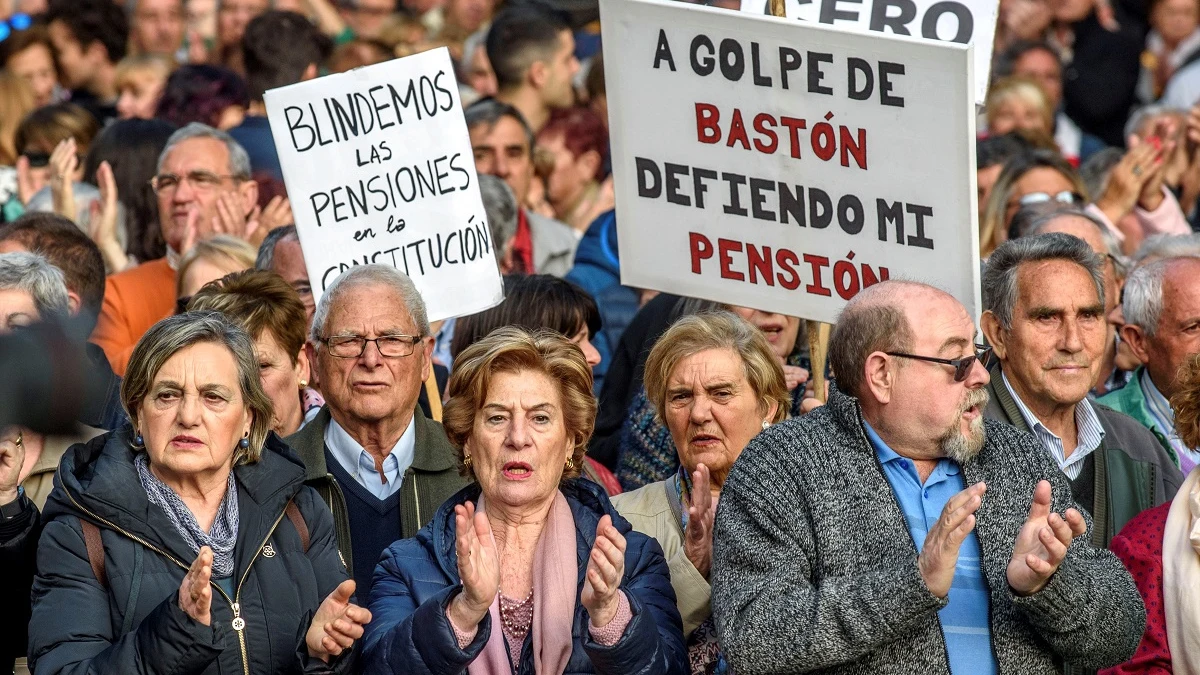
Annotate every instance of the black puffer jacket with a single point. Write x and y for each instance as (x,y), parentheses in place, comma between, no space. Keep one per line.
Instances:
(133,623)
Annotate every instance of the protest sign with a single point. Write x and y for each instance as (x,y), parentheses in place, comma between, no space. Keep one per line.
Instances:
(785,166)
(962,21)
(379,169)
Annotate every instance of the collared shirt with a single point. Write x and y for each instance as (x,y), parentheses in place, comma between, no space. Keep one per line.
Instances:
(358,463)
(441,343)
(1089,433)
(1164,418)
(965,624)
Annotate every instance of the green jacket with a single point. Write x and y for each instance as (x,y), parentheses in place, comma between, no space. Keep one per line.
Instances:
(1131,400)
(1133,472)
(432,479)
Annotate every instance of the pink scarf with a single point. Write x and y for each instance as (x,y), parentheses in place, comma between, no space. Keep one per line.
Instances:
(555,575)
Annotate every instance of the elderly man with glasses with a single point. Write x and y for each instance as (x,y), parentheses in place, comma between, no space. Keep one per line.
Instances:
(895,530)
(383,467)
(204,188)
(1044,314)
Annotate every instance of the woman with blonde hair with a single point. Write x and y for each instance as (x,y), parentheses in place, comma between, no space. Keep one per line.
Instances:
(209,260)
(715,382)
(528,569)
(1018,104)
(16,101)
(1030,178)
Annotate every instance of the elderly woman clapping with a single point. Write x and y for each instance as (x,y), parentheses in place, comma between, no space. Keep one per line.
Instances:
(187,542)
(715,383)
(491,584)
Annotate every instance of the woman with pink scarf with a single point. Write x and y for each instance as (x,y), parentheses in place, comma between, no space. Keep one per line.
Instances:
(1161,549)
(529,569)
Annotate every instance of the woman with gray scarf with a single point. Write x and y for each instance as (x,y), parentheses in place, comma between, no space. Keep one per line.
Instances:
(187,542)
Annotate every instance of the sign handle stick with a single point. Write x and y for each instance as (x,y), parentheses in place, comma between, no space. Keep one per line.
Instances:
(818,348)
(435,398)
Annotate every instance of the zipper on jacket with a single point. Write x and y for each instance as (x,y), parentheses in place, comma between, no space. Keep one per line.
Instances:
(238,624)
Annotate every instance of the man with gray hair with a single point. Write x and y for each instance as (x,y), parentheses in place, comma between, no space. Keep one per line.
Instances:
(1162,327)
(280,253)
(1043,301)
(383,467)
(846,538)
(204,189)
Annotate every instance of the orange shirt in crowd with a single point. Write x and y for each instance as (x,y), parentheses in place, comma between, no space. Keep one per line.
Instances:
(134,300)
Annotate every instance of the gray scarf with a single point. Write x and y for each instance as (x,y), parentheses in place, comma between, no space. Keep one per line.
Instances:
(223,536)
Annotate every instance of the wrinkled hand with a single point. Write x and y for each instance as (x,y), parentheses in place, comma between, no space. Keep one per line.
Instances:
(12,456)
(1042,543)
(233,219)
(64,162)
(478,567)
(939,555)
(195,593)
(794,376)
(27,186)
(277,214)
(102,224)
(1162,140)
(697,537)
(191,230)
(1125,182)
(606,568)
(337,624)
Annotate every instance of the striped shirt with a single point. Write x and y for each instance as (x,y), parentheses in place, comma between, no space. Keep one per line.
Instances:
(1164,418)
(1088,431)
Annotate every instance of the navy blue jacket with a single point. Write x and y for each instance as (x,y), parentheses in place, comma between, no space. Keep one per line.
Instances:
(416,579)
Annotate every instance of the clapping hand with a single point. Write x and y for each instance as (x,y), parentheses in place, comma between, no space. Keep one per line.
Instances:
(64,162)
(337,623)
(939,554)
(606,568)
(195,593)
(697,536)
(1042,543)
(102,224)
(478,567)
(12,457)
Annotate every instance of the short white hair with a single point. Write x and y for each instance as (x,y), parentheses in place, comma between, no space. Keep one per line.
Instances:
(44,282)
(239,161)
(366,275)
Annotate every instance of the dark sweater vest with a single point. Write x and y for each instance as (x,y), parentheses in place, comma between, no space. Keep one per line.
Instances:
(374,525)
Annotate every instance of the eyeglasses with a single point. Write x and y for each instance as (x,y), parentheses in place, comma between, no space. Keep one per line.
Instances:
(962,367)
(201,180)
(14,23)
(39,160)
(353,346)
(1064,197)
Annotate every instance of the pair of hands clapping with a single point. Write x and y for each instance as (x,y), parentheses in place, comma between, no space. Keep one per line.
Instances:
(479,569)
(334,628)
(1040,547)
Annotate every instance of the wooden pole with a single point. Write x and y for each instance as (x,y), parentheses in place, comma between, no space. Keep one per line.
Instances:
(818,348)
(818,332)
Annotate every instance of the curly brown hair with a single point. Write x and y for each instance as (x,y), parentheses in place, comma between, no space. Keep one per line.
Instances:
(513,350)
(1186,402)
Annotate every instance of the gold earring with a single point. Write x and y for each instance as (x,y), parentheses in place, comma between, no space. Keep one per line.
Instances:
(570,464)
(467,461)
(303,384)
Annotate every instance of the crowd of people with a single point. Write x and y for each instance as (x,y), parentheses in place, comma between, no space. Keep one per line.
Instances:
(588,477)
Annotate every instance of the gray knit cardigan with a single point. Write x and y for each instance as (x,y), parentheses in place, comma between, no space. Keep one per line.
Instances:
(814,569)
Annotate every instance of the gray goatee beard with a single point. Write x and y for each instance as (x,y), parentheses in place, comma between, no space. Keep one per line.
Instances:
(957,446)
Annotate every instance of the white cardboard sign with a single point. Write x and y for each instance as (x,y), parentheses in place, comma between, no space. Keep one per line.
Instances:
(785,166)
(379,169)
(962,21)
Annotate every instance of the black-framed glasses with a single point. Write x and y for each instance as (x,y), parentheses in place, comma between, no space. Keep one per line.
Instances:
(353,346)
(962,367)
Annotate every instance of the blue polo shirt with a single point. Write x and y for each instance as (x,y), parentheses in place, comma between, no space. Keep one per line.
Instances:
(964,619)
